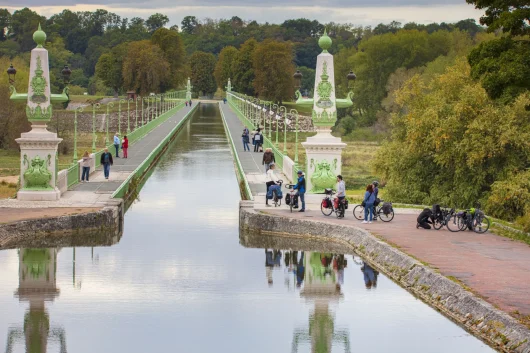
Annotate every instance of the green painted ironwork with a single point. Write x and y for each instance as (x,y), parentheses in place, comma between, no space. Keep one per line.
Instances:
(77,110)
(119,114)
(123,189)
(72,174)
(129,115)
(37,176)
(94,106)
(241,177)
(109,105)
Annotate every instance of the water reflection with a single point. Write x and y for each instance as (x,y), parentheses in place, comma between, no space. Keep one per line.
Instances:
(37,285)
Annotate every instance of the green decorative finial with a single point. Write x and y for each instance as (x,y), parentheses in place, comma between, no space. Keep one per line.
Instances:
(325,41)
(39,37)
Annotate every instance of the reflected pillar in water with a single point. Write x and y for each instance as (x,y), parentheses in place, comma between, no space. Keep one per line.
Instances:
(36,285)
(321,288)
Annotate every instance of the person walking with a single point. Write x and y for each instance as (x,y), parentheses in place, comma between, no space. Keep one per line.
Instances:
(300,186)
(271,180)
(106,162)
(246,139)
(190,102)
(377,200)
(341,192)
(125,146)
(186,103)
(257,140)
(117,145)
(369,199)
(268,159)
(86,166)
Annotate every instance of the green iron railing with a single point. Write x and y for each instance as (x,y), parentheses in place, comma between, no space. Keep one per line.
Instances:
(242,178)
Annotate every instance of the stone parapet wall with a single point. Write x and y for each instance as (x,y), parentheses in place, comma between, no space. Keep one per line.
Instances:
(477,316)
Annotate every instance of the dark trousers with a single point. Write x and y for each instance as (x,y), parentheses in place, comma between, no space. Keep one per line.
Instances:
(302,198)
(256,147)
(269,184)
(424,225)
(117,147)
(245,145)
(86,172)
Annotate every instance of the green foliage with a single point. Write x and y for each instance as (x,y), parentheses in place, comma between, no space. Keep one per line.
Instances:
(156,21)
(450,142)
(308,80)
(273,70)
(5,20)
(109,68)
(243,68)
(502,66)
(173,47)
(224,69)
(202,68)
(144,67)
(510,198)
(189,24)
(510,16)
(23,24)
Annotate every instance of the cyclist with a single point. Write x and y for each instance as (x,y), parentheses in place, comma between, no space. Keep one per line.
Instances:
(341,192)
(300,186)
(271,180)
(376,202)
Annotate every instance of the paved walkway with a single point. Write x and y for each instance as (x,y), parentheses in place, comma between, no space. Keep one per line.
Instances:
(97,192)
(250,161)
(494,267)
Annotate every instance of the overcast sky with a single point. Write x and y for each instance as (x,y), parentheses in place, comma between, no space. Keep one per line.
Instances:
(359,12)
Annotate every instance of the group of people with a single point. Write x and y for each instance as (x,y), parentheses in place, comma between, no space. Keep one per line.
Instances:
(188,103)
(255,136)
(370,201)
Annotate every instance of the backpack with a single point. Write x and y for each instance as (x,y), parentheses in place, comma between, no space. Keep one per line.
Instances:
(387,208)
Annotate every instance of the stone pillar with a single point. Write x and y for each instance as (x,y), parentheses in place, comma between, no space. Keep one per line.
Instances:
(323,151)
(188,90)
(38,147)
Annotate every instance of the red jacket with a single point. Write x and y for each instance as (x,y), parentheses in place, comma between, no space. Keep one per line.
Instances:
(125,143)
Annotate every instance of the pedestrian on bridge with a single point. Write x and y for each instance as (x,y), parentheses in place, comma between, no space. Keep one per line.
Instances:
(257,140)
(86,166)
(300,186)
(125,146)
(268,159)
(246,139)
(117,145)
(106,162)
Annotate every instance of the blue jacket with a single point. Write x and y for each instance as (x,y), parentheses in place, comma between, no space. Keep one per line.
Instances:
(376,191)
(369,198)
(300,186)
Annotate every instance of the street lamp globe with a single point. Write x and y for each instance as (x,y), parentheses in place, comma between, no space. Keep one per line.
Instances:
(66,72)
(11,73)
(298,78)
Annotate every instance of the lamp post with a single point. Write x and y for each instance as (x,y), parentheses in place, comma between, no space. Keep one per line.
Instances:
(136,112)
(270,118)
(94,106)
(284,122)
(80,110)
(295,113)
(109,105)
(129,115)
(119,114)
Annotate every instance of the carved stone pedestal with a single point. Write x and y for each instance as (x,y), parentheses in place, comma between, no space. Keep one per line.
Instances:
(323,160)
(38,165)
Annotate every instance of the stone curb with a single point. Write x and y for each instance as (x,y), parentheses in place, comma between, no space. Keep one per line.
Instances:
(477,316)
(101,227)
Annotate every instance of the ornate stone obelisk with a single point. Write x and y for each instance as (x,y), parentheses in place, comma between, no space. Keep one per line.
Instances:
(188,90)
(38,147)
(323,151)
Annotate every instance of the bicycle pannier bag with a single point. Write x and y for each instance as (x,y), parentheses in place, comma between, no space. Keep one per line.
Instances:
(387,208)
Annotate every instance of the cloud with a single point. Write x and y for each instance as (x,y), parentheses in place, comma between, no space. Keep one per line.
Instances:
(356,11)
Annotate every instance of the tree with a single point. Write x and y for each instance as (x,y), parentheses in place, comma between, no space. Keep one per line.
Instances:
(156,21)
(202,68)
(224,69)
(450,142)
(109,68)
(244,69)
(144,67)
(508,15)
(502,66)
(308,80)
(189,24)
(5,20)
(173,47)
(274,69)
(23,24)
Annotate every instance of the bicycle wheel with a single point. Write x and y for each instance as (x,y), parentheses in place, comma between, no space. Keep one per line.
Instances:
(481,224)
(438,224)
(358,212)
(453,223)
(386,217)
(325,211)
(464,223)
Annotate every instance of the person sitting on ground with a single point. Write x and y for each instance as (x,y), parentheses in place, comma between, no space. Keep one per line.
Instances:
(271,180)
(268,159)
(424,219)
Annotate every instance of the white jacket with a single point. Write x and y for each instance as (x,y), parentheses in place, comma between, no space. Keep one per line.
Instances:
(271,176)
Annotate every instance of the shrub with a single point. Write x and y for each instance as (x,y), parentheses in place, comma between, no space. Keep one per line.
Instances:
(510,198)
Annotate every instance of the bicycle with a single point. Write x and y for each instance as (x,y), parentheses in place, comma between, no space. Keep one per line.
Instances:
(277,200)
(292,195)
(442,218)
(327,206)
(379,211)
(472,219)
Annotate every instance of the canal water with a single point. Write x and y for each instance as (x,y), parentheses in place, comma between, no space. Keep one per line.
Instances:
(179,280)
